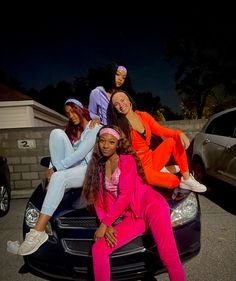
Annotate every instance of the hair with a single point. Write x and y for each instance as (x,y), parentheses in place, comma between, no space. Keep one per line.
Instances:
(97,165)
(118,119)
(108,77)
(72,129)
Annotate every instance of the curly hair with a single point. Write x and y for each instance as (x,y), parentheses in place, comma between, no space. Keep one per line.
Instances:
(97,165)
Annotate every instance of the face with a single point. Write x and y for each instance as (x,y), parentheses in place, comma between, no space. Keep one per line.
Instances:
(121,103)
(120,78)
(72,115)
(107,145)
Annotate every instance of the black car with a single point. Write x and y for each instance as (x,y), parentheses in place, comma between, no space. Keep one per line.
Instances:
(5,188)
(67,253)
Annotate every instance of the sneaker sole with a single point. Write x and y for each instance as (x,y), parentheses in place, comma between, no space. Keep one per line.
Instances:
(34,249)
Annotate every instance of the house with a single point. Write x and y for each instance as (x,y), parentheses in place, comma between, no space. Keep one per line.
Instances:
(18,110)
(25,126)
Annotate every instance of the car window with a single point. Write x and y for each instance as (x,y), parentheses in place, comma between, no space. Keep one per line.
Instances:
(224,125)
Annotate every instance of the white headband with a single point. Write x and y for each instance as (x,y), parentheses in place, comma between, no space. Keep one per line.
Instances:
(122,68)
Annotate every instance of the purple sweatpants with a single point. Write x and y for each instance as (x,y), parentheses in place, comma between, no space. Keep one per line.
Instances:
(156,216)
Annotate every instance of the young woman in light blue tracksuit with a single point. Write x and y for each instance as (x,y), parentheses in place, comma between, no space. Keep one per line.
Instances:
(70,152)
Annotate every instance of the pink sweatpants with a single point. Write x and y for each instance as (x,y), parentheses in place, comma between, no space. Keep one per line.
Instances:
(156,216)
(154,161)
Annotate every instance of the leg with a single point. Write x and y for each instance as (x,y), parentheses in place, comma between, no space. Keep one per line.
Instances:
(161,179)
(42,222)
(161,155)
(59,145)
(60,181)
(180,156)
(153,162)
(127,230)
(187,181)
(157,215)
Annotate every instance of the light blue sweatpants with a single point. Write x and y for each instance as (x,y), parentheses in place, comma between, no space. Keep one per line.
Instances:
(60,147)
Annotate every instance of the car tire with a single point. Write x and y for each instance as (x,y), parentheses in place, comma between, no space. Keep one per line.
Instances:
(199,170)
(5,199)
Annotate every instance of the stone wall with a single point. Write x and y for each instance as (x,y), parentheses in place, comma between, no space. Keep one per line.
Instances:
(25,147)
(190,127)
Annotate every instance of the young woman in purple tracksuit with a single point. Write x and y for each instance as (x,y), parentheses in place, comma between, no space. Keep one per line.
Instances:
(115,77)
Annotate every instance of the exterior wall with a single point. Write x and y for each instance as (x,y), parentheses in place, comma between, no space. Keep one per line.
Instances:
(19,116)
(23,114)
(24,148)
(190,127)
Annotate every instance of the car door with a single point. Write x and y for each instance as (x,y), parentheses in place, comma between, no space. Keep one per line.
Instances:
(220,147)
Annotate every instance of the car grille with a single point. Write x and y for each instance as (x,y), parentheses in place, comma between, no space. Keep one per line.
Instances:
(77,222)
(82,247)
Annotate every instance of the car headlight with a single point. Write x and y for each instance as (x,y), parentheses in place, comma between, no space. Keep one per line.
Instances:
(31,217)
(185,211)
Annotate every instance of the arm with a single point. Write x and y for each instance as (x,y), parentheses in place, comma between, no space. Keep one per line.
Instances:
(162,131)
(159,130)
(93,104)
(126,189)
(86,144)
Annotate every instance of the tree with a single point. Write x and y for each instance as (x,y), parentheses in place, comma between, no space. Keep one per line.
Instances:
(206,75)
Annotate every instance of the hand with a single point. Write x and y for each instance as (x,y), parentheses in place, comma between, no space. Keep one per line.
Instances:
(185,140)
(100,232)
(110,236)
(49,173)
(94,122)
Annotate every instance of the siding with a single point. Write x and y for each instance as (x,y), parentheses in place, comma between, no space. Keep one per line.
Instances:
(25,114)
(15,117)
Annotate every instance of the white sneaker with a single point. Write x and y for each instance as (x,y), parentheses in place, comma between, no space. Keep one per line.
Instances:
(33,240)
(192,184)
(176,169)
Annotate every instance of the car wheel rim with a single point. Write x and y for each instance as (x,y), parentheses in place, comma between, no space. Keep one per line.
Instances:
(4,198)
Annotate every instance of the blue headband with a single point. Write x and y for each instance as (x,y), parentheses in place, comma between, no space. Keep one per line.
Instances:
(75,102)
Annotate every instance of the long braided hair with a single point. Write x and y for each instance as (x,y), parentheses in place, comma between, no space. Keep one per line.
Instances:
(97,165)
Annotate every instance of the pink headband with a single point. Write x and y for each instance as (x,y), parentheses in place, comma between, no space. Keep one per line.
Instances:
(122,68)
(110,131)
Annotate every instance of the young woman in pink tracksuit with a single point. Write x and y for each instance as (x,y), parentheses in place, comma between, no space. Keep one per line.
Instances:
(115,185)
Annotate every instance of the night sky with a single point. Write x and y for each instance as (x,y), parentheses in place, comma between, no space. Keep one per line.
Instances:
(39,52)
(44,43)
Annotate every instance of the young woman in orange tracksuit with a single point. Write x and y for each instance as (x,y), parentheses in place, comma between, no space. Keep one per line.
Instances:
(138,127)
(114,185)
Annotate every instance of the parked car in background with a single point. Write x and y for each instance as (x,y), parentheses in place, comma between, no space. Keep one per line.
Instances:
(5,188)
(214,148)
(67,253)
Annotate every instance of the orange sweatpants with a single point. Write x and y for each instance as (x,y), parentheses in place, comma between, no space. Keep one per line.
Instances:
(154,161)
